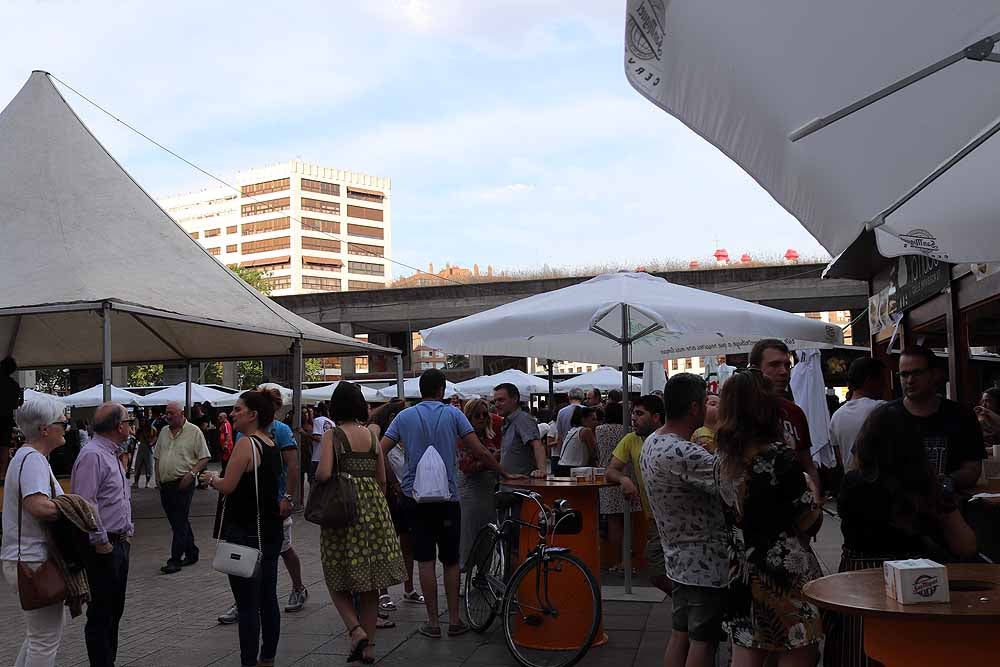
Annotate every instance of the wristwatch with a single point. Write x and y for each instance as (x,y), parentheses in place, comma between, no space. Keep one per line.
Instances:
(289,499)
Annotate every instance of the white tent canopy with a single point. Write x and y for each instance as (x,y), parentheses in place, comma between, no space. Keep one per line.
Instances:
(748,77)
(166,298)
(654,377)
(411,389)
(679,321)
(603,378)
(324,393)
(94,396)
(31,393)
(199,394)
(526,383)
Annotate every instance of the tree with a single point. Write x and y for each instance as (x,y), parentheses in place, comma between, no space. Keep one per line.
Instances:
(250,372)
(252,277)
(52,381)
(145,375)
(313,371)
(457,361)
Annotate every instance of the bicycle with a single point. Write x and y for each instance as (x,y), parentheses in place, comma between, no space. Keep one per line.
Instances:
(550,584)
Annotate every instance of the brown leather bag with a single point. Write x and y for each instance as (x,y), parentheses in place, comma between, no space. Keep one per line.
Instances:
(46,585)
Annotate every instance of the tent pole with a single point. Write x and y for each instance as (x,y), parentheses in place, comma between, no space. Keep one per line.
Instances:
(106,349)
(399,377)
(626,423)
(297,375)
(187,390)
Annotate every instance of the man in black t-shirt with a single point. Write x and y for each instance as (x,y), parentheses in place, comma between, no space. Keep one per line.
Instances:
(949,431)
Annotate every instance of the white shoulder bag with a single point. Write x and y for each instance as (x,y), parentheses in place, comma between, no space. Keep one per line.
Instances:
(236,559)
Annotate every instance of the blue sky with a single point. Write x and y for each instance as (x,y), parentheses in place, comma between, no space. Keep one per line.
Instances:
(509,131)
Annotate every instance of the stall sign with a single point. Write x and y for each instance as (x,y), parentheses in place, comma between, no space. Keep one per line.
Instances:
(915,279)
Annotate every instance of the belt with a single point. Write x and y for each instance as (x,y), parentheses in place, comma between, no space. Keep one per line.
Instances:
(117,538)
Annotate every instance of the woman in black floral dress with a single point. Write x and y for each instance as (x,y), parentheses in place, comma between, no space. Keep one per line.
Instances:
(770,512)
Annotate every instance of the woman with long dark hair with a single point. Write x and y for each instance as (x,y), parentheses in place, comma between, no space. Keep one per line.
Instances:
(771,512)
(477,484)
(247,498)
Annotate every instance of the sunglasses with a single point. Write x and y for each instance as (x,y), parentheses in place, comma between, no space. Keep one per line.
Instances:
(60,424)
(481,415)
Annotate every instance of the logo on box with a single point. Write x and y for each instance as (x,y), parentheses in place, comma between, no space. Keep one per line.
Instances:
(925,585)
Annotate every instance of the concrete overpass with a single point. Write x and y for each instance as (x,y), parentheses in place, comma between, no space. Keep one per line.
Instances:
(388,315)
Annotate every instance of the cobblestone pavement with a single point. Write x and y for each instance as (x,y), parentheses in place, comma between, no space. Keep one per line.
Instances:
(171,619)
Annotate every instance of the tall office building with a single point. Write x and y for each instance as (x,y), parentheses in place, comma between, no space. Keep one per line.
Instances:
(310,228)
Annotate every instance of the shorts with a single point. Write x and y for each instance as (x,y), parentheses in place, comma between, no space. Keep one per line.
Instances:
(435,527)
(655,560)
(398,512)
(286,535)
(697,610)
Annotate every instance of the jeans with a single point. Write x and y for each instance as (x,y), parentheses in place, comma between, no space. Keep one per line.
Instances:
(177,504)
(43,627)
(108,577)
(257,598)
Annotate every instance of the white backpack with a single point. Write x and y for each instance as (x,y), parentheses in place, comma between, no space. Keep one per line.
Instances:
(430,482)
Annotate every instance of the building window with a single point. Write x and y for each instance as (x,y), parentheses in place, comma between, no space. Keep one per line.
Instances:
(364,212)
(364,230)
(329,245)
(194,235)
(366,195)
(326,284)
(320,187)
(673,364)
(365,250)
(321,264)
(269,206)
(320,206)
(232,248)
(269,265)
(231,229)
(215,252)
(209,233)
(280,243)
(324,226)
(272,225)
(264,188)
(278,282)
(367,268)
(363,284)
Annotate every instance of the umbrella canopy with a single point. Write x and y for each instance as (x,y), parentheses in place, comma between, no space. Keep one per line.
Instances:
(31,393)
(526,383)
(324,393)
(199,394)
(411,389)
(603,378)
(654,377)
(91,398)
(166,297)
(751,79)
(584,322)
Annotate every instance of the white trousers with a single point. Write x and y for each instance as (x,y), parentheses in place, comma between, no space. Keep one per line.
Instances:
(44,627)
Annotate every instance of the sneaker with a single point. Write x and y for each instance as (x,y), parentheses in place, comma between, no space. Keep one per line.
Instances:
(297,600)
(385,603)
(413,597)
(230,617)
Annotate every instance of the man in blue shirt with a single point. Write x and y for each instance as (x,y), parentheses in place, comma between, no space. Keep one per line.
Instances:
(436,526)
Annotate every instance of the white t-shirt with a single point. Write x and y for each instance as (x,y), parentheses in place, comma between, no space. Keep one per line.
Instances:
(320,426)
(846,423)
(574,450)
(36,477)
(397,461)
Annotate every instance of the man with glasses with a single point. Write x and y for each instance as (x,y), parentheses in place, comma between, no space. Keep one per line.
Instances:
(98,476)
(180,455)
(948,431)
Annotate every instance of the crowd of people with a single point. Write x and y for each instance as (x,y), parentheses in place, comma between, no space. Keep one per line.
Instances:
(726,483)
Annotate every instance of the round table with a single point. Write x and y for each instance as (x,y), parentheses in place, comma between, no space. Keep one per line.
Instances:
(960,632)
(582,496)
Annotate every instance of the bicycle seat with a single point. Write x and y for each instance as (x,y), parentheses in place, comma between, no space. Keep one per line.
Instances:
(506,499)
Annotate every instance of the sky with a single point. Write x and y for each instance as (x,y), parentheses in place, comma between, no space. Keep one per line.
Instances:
(509,131)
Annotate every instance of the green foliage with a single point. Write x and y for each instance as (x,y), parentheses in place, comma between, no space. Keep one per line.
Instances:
(52,381)
(313,370)
(457,361)
(253,277)
(145,375)
(212,373)
(249,373)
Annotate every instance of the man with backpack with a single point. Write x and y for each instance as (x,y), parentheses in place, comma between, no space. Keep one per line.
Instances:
(430,432)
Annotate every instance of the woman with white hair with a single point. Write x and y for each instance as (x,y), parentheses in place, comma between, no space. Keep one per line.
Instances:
(29,488)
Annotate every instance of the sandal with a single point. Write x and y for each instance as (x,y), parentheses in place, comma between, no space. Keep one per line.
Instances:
(460,628)
(383,624)
(358,648)
(385,603)
(413,597)
(432,631)
(369,659)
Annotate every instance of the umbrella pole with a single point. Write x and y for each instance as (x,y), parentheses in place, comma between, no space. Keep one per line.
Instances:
(627,423)
(187,390)
(399,377)
(106,350)
(297,406)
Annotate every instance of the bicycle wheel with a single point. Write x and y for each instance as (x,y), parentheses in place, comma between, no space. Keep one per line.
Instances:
(551,611)
(484,578)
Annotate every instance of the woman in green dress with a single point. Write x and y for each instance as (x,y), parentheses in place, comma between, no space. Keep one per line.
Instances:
(364,557)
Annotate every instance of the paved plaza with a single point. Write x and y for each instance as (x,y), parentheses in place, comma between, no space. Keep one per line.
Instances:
(171,619)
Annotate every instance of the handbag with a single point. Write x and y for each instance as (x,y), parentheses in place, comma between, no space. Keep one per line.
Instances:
(334,503)
(239,560)
(46,585)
